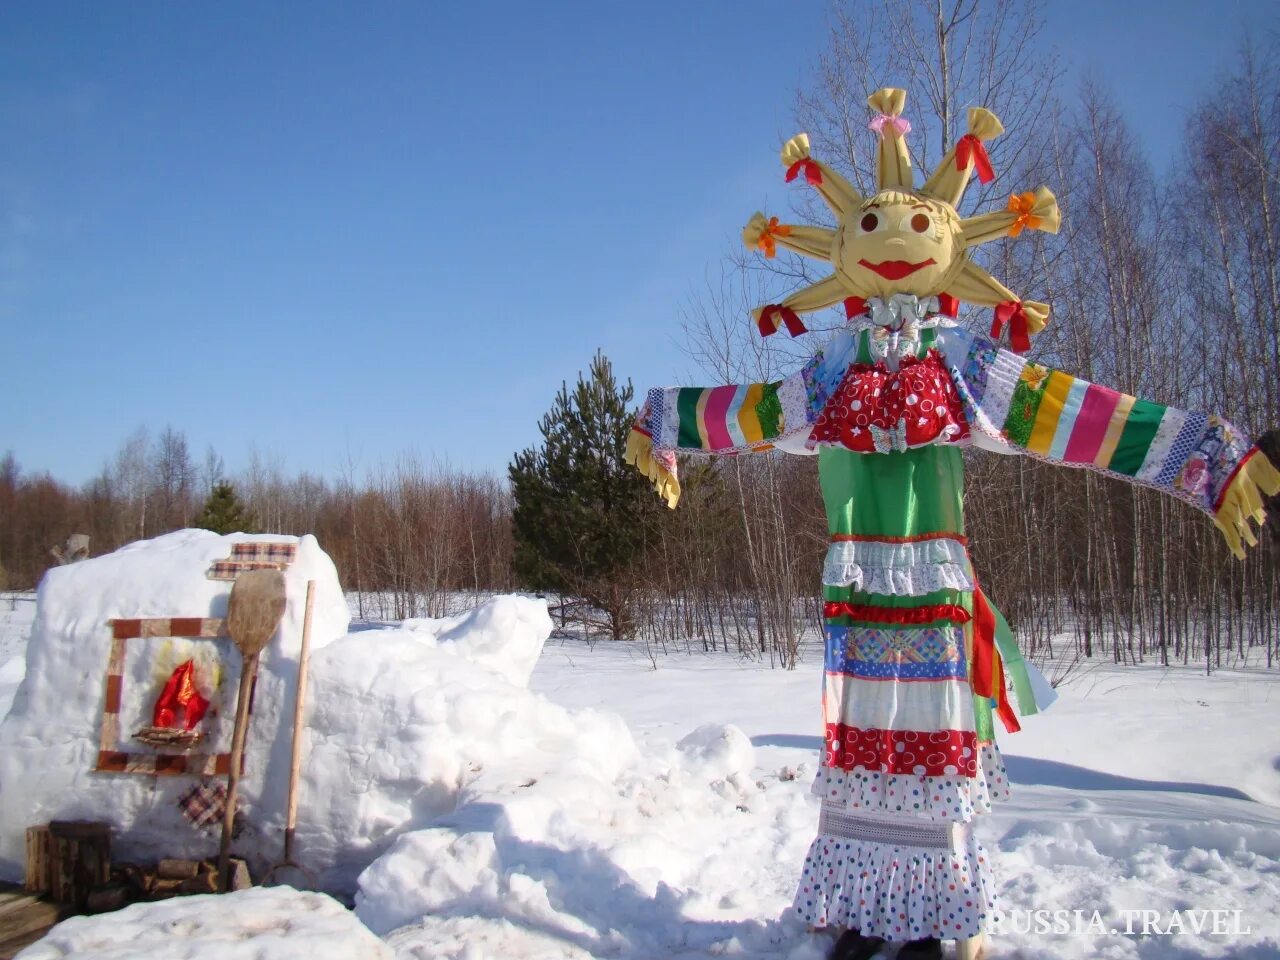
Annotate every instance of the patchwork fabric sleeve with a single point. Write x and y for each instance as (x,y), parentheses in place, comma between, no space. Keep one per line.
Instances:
(1197,457)
(726,420)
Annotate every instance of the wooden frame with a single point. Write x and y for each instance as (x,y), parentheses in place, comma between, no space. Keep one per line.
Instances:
(113,760)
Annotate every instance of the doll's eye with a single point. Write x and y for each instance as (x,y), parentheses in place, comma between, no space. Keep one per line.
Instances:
(920,223)
(869,222)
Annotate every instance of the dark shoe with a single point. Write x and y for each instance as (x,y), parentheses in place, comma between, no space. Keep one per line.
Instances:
(930,948)
(854,946)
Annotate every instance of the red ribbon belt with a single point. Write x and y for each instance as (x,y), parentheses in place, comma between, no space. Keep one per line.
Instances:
(912,615)
(812,172)
(769,325)
(1010,313)
(969,147)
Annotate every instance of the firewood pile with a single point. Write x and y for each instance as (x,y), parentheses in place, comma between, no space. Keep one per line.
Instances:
(70,862)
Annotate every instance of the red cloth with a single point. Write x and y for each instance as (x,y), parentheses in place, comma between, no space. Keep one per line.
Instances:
(933,753)
(812,172)
(920,394)
(969,147)
(913,615)
(1011,313)
(769,325)
(180,693)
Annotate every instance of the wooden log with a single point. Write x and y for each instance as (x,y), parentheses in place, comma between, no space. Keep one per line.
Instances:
(106,899)
(169,869)
(37,864)
(80,860)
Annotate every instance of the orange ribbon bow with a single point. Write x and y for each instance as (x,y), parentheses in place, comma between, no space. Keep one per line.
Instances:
(772,229)
(812,173)
(1022,204)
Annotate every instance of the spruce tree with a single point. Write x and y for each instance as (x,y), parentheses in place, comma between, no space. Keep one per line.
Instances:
(579,513)
(224,513)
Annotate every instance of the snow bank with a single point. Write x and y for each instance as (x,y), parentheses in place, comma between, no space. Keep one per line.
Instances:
(50,740)
(276,922)
(635,864)
(402,725)
(397,720)
(11,673)
(504,637)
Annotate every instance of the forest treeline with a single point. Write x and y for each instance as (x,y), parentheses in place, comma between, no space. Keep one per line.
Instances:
(1164,282)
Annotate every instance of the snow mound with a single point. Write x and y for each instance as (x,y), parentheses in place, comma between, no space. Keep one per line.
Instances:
(637,864)
(51,739)
(505,637)
(278,923)
(727,751)
(11,674)
(400,732)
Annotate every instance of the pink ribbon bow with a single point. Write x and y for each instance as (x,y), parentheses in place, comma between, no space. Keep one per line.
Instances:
(899,124)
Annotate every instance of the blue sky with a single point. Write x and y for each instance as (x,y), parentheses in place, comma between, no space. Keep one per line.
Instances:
(340,232)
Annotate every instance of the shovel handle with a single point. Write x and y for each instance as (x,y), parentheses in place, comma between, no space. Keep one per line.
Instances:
(299,705)
(248,673)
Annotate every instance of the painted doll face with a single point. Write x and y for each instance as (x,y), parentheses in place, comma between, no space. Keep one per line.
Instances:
(898,243)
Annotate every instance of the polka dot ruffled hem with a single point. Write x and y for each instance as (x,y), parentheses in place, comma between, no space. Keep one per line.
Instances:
(899,893)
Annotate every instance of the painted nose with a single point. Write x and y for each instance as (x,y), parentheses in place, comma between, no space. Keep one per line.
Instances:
(895,242)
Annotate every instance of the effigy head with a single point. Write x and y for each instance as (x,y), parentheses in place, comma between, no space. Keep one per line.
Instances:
(904,239)
(898,242)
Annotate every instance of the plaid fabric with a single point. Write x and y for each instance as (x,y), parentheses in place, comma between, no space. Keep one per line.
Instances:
(112,760)
(230,569)
(205,804)
(271,552)
(253,555)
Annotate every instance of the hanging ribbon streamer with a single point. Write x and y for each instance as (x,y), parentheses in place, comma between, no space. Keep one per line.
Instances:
(982,669)
(1010,313)
(812,172)
(969,147)
(986,677)
(899,125)
(770,315)
(1022,204)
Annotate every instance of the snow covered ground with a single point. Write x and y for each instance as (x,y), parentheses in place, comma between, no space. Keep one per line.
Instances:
(1146,801)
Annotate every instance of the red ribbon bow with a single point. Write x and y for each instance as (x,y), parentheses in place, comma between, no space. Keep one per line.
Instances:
(812,172)
(948,305)
(1010,313)
(969,147)
(854,307)
(769,325)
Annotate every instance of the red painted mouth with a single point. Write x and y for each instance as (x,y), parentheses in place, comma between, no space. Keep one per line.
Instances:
(896,269)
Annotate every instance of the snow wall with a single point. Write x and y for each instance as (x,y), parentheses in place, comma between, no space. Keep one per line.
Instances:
(51,737)
(397,719)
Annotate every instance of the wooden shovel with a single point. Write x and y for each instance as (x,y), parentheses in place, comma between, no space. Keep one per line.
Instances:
(254,611)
